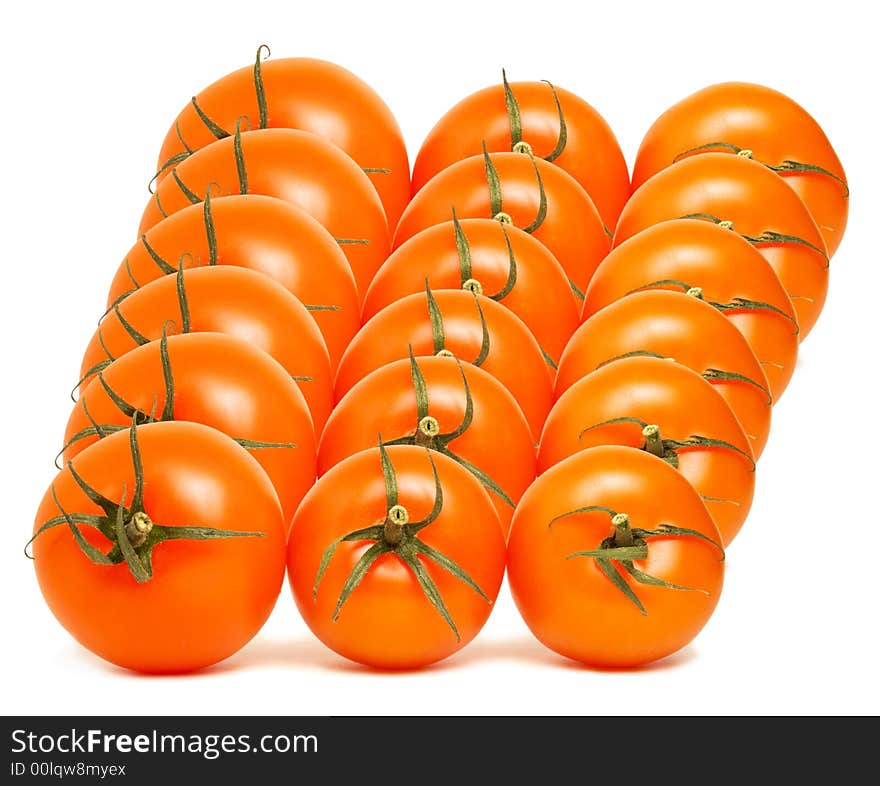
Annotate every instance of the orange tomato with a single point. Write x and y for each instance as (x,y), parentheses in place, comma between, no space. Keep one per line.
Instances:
(296,166)
(489,258)
(759,205)
(682,328)
(755,122)
(221,299)
(307,94)
(214,379)
(163,551)
(557,126)
(669,411)
(517,188)
(448,406)
(613,559)
(395,557)
(471,327)
(264,234)
(718,266)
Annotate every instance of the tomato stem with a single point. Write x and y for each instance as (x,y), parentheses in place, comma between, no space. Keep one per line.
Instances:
(696,292)
(472,285)
(653,442)
(395,521)
(623,536)
(138,527)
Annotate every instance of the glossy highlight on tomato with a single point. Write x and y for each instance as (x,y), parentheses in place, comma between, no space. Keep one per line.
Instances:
(302,93)
(395,557)
(204,536)
(587,601)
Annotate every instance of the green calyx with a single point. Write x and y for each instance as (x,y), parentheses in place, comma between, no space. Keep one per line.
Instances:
(495,196)
(465,263)
(428,434)
(438,331)
(130,531)
(517,144)
(397,535)
(628,544)
(668,449)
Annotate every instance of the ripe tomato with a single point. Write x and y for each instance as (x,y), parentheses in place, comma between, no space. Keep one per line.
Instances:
(448,406)
(755,122)
(535,196)
(718,266)
(682,328)
(214,379)
(161,550)
(296,166)
(557,125)
(489,258)
(304,93)
(760,206)
(395,557)
(472,328)
(613,559)
(264,234)
(221,299)
(669,411)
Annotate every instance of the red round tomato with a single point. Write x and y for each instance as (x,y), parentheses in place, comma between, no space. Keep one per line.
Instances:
(557,126)
(296,166)
(395,557)
(488,258)
(470,327)
(682,328)
(613,559)
(755,202)
(303,93)
(718,266)
(669,411)
(214,379)
(755,122)
(161,549)
(221,299)
(261,233)
(516,188)
(451,407)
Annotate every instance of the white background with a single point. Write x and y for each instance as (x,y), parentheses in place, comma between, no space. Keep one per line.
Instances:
(88,92)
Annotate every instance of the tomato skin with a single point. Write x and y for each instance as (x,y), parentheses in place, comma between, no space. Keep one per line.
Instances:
(682,404)
(725,267)
(498,440)
(591,155)
(298,167)
(756,200)
(568,604)
(206,599)
(219,381)
(514,357)
(260,233)
(688,330)
(765,121)
(541,296)
(572,229)
(311,95)
(387,622)
(232,300)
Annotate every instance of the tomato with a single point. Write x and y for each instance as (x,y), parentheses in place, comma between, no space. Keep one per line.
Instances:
(759,205)
(557,125)
(718,266)
(596,542)
(161,550)
(489,258)
(517,188)
(208,378)
(471,327)
(264,234)
(755,122)
(396,557)
(439,403)
(296,166)
(221,299)
(682,328)
(304,93)
(669,411)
